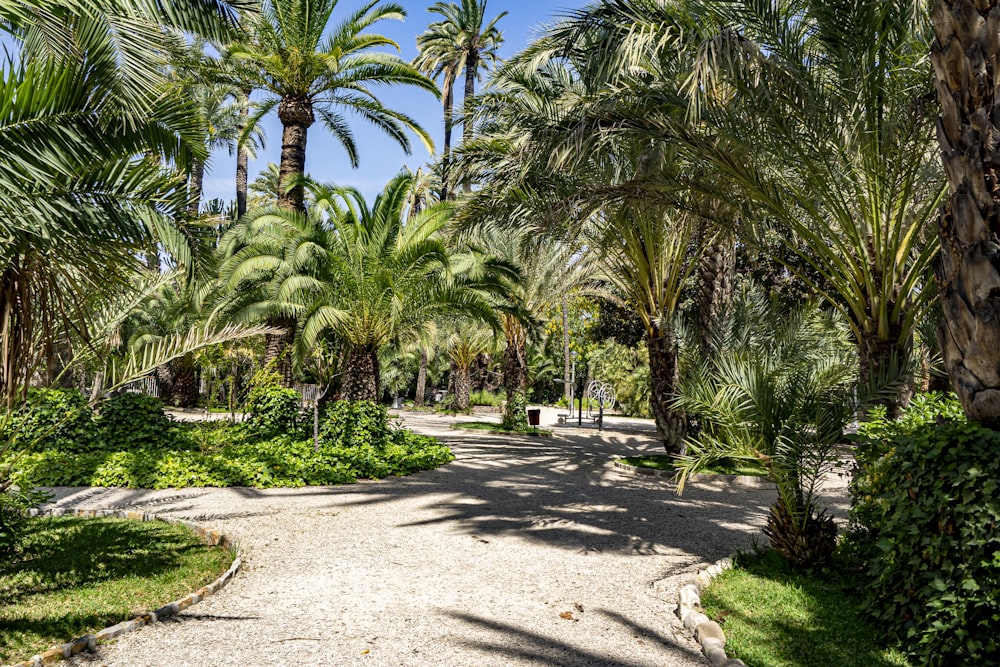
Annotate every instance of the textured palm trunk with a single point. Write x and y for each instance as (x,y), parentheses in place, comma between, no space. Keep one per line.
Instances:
(418,398)
(361,376)
(716,273)
(296,117)
(471,68)
(463,388)
(184,385)
(242,158)
(887,361)
(448,100)
(278,350)
(515,372)
(671,424)
(196,184)
(966,58)
(16,333)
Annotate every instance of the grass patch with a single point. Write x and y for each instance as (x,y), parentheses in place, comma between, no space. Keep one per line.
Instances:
(665,462)
(491,427)
(76,576)
(774,616)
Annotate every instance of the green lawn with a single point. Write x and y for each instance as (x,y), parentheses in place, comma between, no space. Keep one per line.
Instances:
(76,576)
(776,617)
(492,427)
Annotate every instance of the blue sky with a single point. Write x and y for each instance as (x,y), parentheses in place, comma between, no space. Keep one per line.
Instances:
(380,157)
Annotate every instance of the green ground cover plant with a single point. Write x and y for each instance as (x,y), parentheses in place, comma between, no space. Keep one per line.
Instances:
(775,615)
(925,509)
(492,427)
(74,576)
(356,442)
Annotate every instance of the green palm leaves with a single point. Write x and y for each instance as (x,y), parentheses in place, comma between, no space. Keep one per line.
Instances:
(307,70)
(367,275)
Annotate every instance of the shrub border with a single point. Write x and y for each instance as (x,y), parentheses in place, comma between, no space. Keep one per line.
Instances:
(90,641)
(752,481)
(706,632)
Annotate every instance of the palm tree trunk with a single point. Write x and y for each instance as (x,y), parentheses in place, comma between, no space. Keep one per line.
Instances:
(671,425)
(196,184)
(964,54)
(242,159)
(296,117)
(184,386)
(883,362)
(463,389)
(716,272)
(361,375)
(448,100)
(471,69)
(418,398)
(515,373)
(278,350)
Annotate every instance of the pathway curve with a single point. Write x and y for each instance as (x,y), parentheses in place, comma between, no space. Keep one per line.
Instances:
(524,551)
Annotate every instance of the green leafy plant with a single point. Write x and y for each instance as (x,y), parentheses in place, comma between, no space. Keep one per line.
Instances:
(273,410)
(355,423)
(775,390)
(56,419)
(515,417)
(134,421)
(925,515)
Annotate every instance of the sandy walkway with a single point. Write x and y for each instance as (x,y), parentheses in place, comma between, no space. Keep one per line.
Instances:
(472,564)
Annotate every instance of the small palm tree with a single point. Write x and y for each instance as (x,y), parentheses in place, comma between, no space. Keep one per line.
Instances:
(464,344)
(307,71)
(776,393)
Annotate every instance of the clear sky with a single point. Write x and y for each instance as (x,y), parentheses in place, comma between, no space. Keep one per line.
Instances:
(380,157)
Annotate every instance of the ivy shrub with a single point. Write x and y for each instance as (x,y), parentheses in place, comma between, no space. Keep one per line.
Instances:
(925,515)
(134,421)
(515,416)
(355,423)
(55,419)
(272,410)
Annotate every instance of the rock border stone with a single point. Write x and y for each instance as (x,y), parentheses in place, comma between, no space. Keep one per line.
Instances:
(706,632)
(211,537)
(752,481)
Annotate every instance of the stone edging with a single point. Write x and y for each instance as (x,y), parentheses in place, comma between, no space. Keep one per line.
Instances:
(707,632)
(752,481)
(211,537)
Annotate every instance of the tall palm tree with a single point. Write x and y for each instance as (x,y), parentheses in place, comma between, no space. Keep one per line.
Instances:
(87,121)
(967,274)
(307,71)
(462,41)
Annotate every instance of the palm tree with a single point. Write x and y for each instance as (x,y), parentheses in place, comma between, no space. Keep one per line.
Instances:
(462,40)
(967,276)
(464,344)
(87,122)
(391,277)
(307,72)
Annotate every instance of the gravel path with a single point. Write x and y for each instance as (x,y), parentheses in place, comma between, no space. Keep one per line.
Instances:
(524,551)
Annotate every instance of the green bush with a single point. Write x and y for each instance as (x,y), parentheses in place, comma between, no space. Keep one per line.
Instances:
(273,410)
(55,419)
(515,417)
(133,421)
(233,459)
(355,423)
(487,398)
(925,514)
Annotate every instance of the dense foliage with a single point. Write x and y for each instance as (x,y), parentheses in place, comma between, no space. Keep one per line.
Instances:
(925,513)
(357,442)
